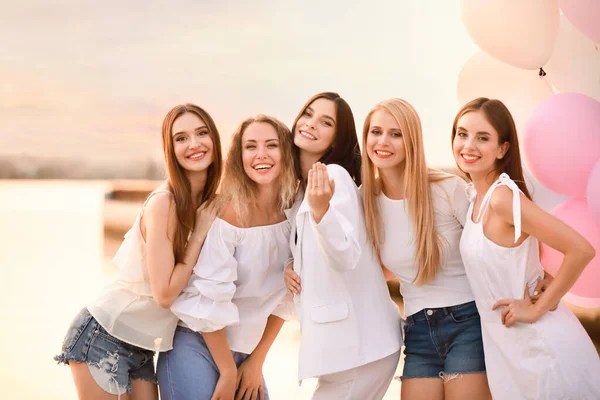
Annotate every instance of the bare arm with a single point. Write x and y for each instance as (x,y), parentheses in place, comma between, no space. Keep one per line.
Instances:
(219,350)
(274,324)
(249,375)
(168,277)
(578,252)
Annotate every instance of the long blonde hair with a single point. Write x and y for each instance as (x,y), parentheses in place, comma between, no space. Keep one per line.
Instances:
(238,190)
(417,179)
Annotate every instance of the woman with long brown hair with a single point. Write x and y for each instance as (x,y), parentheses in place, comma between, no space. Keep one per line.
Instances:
(530,353)
(234,304)
(415,217)
(350,326)
(111,343)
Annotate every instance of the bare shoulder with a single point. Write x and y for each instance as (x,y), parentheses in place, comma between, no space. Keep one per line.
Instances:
(501,202)
(160,204)
(229,215)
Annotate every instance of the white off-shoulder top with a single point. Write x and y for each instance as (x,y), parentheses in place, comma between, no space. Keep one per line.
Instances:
(237,283)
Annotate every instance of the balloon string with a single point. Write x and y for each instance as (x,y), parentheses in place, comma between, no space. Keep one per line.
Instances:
(542,74)
(550,86)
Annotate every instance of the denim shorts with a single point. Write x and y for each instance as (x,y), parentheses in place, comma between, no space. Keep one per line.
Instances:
(112,362)
(443,342)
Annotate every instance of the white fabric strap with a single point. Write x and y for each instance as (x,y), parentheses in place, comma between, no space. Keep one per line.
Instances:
(505,180)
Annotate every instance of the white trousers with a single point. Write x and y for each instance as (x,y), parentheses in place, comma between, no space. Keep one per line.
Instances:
(367,382)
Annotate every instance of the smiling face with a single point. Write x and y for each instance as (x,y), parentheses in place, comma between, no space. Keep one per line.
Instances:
(316,128)
(476,145)
(385,145)
(261,154)
(192,143)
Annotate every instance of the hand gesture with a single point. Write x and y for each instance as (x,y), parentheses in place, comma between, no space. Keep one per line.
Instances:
(291,279)
(518,310)
(205,216)
(319,191)
(226,385)
(541,288)
(249,380)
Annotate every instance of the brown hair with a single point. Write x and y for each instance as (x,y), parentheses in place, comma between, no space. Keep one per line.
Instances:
(238,189)
(345,151)
(417,179)
(500,118)
(178,182)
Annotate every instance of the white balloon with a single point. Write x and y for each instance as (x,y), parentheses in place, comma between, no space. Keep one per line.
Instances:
(575,63)
(518,32)
(520,90)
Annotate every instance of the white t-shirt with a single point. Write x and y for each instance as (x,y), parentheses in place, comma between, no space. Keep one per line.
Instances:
(450,286)
(237,283)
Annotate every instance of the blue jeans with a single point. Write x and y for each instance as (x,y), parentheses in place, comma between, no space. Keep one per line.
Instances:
(188,371)
(443,341)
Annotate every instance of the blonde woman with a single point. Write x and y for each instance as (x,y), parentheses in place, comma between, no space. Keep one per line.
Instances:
(415,217)
(231,309)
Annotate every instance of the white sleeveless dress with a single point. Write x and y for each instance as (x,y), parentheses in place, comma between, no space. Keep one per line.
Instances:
(553,358)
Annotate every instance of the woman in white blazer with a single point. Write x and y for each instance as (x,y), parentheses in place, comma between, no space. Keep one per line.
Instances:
(350,327)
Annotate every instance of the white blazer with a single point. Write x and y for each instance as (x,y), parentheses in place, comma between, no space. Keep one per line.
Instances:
(346,315)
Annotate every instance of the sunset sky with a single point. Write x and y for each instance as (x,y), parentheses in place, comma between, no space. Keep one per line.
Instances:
(94,80)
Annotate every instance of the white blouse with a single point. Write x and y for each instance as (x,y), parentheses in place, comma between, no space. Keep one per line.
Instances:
(126,308)
(450,286)
(237,283)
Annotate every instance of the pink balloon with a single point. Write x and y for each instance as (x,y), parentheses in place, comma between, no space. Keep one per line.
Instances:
(593,192)
(562,142)
(576,213)
(585,15)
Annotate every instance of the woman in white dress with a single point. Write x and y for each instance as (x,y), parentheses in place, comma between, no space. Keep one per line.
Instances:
(530,353)
(415,217)
(350,326)
(232,308)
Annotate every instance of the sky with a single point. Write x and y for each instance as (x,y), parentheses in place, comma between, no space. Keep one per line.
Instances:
(94,80)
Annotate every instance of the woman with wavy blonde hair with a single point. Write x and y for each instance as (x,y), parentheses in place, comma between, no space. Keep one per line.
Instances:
(232,308)
(414,217)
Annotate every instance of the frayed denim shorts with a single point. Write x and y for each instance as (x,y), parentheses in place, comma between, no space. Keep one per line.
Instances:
(443,342)
(112,362)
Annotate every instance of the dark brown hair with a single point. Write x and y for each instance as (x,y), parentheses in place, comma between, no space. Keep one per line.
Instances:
(500,118)
(345,150)
(178,182)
